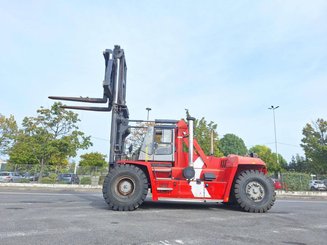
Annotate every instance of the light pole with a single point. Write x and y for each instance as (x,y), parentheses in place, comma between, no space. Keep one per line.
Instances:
(273,108)
(148,109)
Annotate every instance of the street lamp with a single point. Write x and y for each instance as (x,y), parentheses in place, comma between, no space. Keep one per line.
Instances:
(148,109)
(273,108)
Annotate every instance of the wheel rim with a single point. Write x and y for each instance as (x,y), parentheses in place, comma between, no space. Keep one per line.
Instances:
(125,186)
(255,191)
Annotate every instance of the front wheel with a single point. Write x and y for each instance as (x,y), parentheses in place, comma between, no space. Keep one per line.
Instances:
(254,191)
(125,188)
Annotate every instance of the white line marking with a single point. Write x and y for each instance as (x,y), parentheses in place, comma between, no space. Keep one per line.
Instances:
(49,194)
(43,203)
(320,226)
(302,201)
(40,232)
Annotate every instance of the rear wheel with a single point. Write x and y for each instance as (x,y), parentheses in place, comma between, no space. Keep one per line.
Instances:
(254,191)
(125,188)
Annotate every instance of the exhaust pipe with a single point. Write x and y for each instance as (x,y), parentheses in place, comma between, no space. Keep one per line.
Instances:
(189,172)
(190,121)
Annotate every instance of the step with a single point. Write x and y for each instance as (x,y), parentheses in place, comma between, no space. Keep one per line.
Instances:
(158,169)
(165,165)
(161,178)
(164,189)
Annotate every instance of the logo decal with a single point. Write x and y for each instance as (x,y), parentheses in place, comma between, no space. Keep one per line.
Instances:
(198,190)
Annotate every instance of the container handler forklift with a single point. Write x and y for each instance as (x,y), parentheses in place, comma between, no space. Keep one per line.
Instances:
(170,162)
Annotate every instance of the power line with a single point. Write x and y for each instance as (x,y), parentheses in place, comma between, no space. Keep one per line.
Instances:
(289,144)
(279,143)
(98,138)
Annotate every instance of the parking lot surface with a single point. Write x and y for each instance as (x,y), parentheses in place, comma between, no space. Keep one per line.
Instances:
(82,217)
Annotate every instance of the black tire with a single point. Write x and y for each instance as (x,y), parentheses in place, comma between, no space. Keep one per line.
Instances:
(125,188)
(254,191)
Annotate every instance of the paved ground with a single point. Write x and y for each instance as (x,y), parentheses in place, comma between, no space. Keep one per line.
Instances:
(70,217)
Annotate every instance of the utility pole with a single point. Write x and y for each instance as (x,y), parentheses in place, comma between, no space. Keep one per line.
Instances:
(211,144)
(148,109)
(273,108)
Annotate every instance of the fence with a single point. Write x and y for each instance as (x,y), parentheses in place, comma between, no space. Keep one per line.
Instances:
(56,174)
(293,181)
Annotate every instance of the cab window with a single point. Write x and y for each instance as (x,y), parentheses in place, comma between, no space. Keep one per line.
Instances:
(163,141)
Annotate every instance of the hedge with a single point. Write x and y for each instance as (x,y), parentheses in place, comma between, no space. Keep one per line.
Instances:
(47,180)
(293,181)
(85,181)
(23,180)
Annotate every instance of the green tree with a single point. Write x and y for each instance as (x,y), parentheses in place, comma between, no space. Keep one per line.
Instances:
(269,158)
(49,138)
(92,161)
(8,131)
(232,144)
(202,133)
(314,144)
(299,164)
(281,161)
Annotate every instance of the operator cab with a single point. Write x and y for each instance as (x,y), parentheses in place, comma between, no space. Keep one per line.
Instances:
(158,143)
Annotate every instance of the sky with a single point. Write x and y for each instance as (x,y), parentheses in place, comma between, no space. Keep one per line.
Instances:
(227,61)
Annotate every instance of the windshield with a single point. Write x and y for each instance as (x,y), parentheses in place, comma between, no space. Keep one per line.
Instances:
(4,174)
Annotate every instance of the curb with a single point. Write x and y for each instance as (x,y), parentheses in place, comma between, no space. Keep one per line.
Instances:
(301,193)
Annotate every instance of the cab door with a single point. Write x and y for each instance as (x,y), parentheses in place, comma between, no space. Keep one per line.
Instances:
(163,143)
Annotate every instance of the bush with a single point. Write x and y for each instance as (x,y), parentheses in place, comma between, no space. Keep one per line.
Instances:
(85,181)
(47,180)
(101,179)
(293,181)
(24,181)
(53,177)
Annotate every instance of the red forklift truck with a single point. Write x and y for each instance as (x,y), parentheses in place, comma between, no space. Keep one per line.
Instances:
(169,162)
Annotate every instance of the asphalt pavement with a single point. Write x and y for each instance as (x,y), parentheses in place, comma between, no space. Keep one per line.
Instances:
(82,217)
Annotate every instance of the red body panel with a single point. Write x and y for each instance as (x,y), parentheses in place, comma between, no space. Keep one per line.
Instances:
(167,180)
